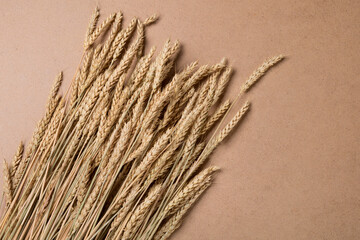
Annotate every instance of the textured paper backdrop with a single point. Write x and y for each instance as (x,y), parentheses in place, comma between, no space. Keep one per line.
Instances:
(292,169)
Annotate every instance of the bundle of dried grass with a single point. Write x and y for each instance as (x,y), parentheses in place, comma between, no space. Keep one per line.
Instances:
(120,156)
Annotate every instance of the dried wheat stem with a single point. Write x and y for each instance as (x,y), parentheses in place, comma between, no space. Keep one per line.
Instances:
(161,61)
(96,117)
(8,188)
(126,205)
(119,156)
(90,101)
(48,139)
(85,70)
(121,40)
(233,122)
(105,53)
(152,155)
(202,72)
(152,19)
(160,166)
(145,142)
(121,144)
(93,22)
(84,183)
(178,139)
(175,221)
(139,214)
(124,64)
(99,30)
(39,133)
(186,193)
(220,112)
(116,107)
(54,125)
(219,138)
(190,143)
(258,73)
(90,200)
(223,82)
(194,155)
(176,110)
(17,159)
(141,69)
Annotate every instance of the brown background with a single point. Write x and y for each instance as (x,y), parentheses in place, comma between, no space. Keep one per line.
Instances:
(292,169)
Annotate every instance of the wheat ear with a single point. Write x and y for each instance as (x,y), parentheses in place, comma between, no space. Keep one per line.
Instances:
(17,159)
(175,221)
(8,189)
(140,212)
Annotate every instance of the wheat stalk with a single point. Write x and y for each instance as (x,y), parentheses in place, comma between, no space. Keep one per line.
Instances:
(120,155)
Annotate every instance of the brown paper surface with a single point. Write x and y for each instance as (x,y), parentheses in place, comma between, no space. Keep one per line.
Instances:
(292,168)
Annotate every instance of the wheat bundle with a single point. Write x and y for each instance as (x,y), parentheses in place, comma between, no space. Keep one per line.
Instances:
(121,155)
